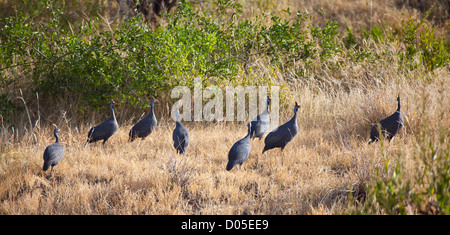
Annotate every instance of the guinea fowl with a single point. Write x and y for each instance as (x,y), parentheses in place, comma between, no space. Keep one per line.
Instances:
(240,151)
(53,153)
(105,129)
(180,136)
(261,123)
(389,126)
(282,135)
(144,127)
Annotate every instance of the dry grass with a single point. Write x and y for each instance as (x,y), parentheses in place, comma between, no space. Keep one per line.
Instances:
(357,14)
(326,161)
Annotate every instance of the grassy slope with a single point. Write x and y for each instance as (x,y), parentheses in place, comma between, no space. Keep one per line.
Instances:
(328,159)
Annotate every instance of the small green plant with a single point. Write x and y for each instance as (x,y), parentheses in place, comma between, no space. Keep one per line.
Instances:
(375,32)
(391,195)
(431,49)
(350,39)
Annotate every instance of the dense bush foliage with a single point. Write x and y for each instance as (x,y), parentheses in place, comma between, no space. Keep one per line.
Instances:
(433,51)
(91,63)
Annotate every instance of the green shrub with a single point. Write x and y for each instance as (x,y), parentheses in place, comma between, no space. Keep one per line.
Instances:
(91,63)
(131,62)
(432,50)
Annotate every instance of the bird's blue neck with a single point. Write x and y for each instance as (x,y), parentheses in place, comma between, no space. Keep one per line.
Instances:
(113,116)
(398,101)
(56,135)
(295,114)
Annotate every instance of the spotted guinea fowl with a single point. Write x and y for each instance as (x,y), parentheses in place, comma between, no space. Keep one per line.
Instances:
(261,123)
(180,136)
(145,126)
(389,126)
(104,130)
(53,153)
(282,135)
(240,151)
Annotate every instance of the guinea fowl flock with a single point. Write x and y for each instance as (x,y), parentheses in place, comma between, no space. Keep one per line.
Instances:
(239,152)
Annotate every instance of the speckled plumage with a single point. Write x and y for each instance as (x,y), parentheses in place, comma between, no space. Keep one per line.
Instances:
(389,126)
(53,153)
(145,126)
(239,151)
(261,123)
(282,135)
(104,130)
(180,137)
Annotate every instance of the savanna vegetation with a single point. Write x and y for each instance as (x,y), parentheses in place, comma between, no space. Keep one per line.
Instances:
(344,62)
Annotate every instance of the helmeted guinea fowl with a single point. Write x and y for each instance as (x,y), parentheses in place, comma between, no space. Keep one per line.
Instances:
(389,126)
(104,130)
(145,126)
(261,123)
(239,151)
(180,136)
(53,153)
(282,135)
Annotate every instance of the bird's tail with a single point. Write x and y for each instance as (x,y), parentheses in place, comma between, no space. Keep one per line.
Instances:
(130,138)
(91,131)
(265,149)
(372,139)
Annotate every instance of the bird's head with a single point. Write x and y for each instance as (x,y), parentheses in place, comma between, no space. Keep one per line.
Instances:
(56,129)
(398,102)
(55,132)
(152,102)
(112,104)
(268,100)
(296,107)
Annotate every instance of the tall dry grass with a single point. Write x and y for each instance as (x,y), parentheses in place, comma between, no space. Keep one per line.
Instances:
(328,160)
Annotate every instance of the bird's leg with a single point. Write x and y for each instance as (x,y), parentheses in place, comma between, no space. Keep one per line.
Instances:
(51,171)
(140,141)
(86,144)
(390,138)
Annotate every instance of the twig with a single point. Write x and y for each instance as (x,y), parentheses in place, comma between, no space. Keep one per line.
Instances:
(28,113)
(38,121)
